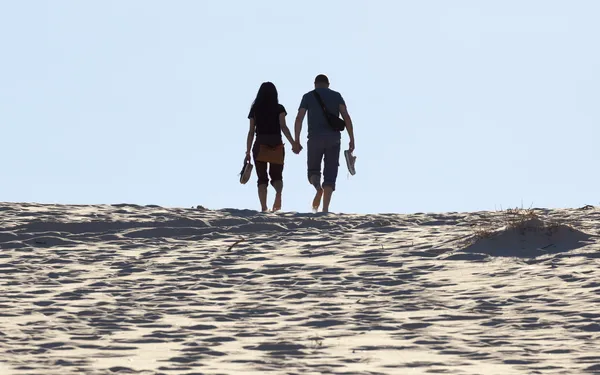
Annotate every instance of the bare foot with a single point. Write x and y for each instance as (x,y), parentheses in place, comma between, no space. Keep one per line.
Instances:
(317,200)
(277,203)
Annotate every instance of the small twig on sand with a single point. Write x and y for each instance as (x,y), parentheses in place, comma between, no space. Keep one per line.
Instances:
(235,243)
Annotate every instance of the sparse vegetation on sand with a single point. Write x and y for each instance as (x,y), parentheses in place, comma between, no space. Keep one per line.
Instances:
(522,232)
(516,219)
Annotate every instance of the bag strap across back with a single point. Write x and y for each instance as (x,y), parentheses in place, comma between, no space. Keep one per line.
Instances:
(321,103)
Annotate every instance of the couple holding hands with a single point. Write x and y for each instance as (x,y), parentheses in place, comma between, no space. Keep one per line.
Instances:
(267,123)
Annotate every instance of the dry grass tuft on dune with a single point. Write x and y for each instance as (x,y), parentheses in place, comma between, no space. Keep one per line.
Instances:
(129,289)
(524,233)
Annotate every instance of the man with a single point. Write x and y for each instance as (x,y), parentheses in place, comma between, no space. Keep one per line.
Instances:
(323,141)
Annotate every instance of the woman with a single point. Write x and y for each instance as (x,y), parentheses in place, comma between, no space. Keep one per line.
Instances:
(267,121)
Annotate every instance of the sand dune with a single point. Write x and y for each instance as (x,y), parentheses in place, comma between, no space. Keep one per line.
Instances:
(125,289)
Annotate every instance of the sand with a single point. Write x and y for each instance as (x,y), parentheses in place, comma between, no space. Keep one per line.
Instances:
(126,289)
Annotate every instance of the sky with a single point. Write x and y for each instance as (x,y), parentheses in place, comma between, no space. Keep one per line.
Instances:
(458,106)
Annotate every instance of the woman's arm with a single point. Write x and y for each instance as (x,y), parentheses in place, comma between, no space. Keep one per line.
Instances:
(285,129)
(250,138)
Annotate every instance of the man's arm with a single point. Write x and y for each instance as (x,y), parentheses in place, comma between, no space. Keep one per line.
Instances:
(298,124)
(349,126)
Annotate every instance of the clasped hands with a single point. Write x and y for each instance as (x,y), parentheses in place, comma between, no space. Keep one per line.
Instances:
(296,147)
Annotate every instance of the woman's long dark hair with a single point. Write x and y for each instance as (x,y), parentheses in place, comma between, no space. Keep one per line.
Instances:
(267,99)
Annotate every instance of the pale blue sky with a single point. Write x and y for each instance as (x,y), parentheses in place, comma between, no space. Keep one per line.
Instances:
(457,105)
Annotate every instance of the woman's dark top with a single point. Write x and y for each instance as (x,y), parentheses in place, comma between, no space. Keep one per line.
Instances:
(268,128)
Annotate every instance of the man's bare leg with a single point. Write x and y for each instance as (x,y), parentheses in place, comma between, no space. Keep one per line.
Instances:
(327,193)
(316,182)
(278,185)
(262,196)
